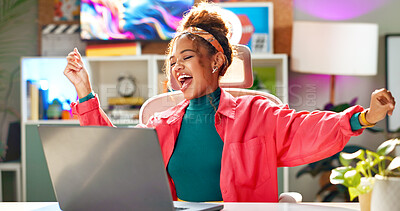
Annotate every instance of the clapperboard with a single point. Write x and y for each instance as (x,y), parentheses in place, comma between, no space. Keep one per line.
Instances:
(60,39)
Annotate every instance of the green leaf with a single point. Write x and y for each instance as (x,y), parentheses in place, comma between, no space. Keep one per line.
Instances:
(394,164)
(340,107)
(337,175)
(374,155)
(354,192)
(373,158)
(346,158)
(361,167)
(388,146)
(352,178)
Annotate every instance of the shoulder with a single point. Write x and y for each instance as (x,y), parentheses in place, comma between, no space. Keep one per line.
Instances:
(168,115)
(247,95)
(233,103)
(259,101)
(259,104)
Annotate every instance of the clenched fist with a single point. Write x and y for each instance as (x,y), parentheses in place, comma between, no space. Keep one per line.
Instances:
(382,103)
(77,74)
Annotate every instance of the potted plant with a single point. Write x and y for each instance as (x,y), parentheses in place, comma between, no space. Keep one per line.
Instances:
(359,171)
(328,192)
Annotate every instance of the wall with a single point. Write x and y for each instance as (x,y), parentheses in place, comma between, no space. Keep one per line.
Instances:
(308,92)
(18,36)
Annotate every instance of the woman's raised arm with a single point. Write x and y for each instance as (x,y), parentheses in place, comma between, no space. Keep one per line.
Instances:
(77,74)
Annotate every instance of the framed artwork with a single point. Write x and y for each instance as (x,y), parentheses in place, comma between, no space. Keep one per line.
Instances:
(251,24)
(66,10)
(393,77)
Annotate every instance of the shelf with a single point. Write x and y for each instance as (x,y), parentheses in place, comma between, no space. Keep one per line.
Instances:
(52,122)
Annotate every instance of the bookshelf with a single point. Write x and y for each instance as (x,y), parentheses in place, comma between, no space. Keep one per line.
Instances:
(103,73)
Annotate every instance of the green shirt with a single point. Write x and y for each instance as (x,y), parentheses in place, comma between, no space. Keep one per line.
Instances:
(195,164)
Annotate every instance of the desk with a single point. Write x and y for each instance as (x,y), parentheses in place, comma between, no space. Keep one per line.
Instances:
(30,206)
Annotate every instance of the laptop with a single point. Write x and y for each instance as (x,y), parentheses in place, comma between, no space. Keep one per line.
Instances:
(106,168)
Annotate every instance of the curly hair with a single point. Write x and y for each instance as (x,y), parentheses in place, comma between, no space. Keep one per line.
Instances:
(206,16)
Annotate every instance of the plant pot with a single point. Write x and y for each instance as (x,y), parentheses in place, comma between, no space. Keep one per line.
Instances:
(385,195)
(365,201)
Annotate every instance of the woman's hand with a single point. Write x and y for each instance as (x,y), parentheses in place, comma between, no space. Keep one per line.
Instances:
(77,74)
(382,103)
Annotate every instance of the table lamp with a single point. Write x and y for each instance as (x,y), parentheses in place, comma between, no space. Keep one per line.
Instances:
(334,48)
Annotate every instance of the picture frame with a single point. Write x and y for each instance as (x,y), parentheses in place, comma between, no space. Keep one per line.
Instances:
(256,21)
(392,53)
(66,10)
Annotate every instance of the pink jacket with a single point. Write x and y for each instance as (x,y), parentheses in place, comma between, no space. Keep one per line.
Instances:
(258,137)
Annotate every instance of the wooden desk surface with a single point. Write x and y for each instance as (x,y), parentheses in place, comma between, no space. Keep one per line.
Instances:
(30,206)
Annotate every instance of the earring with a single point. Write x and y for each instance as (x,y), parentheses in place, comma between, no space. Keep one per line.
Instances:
(215,69)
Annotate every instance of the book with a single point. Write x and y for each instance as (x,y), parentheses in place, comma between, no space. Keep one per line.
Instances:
(123,113)
(115,49)
(133,101)
(34,101)
(28,98)
(43,103)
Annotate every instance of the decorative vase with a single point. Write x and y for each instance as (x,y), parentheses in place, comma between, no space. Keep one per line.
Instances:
(385,195)
(365,201)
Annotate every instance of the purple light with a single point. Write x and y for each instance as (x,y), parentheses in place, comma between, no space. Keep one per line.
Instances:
(338,9)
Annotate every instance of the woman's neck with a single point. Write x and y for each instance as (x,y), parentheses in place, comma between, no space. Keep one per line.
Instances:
(210,99)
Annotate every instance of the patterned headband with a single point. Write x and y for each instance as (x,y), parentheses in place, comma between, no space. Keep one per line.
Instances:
(205,35)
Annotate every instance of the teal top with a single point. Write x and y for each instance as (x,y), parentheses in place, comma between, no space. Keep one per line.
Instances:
(354,122)
(195,164)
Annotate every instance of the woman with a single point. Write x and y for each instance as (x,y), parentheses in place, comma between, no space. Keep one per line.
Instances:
(217,147)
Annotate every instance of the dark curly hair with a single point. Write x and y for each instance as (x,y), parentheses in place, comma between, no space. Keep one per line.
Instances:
(206,16)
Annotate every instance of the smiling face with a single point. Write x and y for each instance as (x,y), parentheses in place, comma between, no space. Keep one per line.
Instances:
(192,67)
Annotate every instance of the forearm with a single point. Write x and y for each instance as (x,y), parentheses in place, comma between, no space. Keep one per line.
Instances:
(83,89)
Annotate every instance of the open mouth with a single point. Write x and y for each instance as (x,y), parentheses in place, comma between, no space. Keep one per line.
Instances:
(185,80)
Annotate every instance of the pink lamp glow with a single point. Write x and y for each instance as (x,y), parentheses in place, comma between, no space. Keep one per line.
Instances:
(338,9)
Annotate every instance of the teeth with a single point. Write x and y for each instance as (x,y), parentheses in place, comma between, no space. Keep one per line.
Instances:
(182,77)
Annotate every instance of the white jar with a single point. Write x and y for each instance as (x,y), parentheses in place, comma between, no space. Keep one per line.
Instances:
(385,195)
